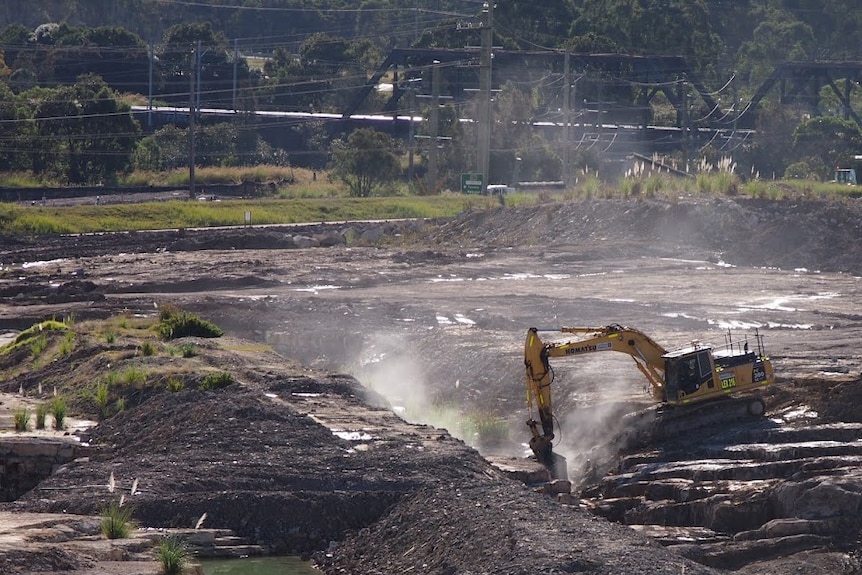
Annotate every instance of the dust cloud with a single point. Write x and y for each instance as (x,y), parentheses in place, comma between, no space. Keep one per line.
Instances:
(395,372)
(591,395)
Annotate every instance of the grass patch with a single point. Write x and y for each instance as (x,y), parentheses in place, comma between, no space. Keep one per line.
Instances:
(486,428)
(101,397)
(21,418)
(34,332)
(172,554)
(147,348)
(38,345)
(188,350)
(187,214)
(175,384)
(175,323)
(216,381)
(67,344)
(41,415)
(134,376)
(117,522)
(59,411)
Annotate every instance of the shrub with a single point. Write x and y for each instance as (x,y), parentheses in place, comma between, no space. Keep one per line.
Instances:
(216,381)
(172,554)
(184,324)
(58,410)
(22,419)
(117,521)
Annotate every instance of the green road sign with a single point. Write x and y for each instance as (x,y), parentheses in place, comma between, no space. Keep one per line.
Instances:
(472,184)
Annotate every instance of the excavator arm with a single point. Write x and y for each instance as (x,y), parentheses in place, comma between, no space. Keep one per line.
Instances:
(647,355)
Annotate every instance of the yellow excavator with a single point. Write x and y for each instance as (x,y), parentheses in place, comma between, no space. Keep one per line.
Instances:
(694,374)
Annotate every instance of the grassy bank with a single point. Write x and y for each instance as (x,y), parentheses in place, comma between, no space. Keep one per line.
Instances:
(304,196)
(16,218)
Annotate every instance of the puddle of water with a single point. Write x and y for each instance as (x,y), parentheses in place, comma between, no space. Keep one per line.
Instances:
(258,566)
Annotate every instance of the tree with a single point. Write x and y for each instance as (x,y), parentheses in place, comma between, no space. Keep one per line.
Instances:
(215,66)
(366,161)
(85,133)
(825,142)
(672,27)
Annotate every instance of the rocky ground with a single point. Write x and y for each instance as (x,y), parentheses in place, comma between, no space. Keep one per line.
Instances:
(388,324)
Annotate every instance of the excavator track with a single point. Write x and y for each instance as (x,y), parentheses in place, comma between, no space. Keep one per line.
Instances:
(664,422)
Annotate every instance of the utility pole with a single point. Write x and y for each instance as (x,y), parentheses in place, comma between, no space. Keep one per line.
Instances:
(411,92)
(434,149)
(235,60)
(484,144)
(567,119)
(192,68)
(198,74)
(685,122)
(150,92)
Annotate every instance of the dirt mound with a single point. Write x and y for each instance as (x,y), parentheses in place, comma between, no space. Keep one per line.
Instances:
(501,528)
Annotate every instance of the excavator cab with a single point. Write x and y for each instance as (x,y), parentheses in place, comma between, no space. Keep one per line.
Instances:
(686,371)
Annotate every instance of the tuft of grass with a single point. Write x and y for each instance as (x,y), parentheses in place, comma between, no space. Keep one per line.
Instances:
(188,350)
(58,410)
(175,384)
(134,376)
(117,522)
(147,348)
(486,428)
(38,345)
(172,554)
(67,344)
(216,381)
(22,419)
(101,397)
(110,337)
(41,415)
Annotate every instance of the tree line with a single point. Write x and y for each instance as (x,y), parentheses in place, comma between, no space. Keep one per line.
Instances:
(67,82)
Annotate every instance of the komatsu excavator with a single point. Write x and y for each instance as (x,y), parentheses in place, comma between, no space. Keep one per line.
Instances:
(694,374)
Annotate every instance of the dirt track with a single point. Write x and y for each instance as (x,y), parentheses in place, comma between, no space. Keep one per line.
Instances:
(437,327)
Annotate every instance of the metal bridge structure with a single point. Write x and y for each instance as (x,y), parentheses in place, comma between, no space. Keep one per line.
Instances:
(608,106)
